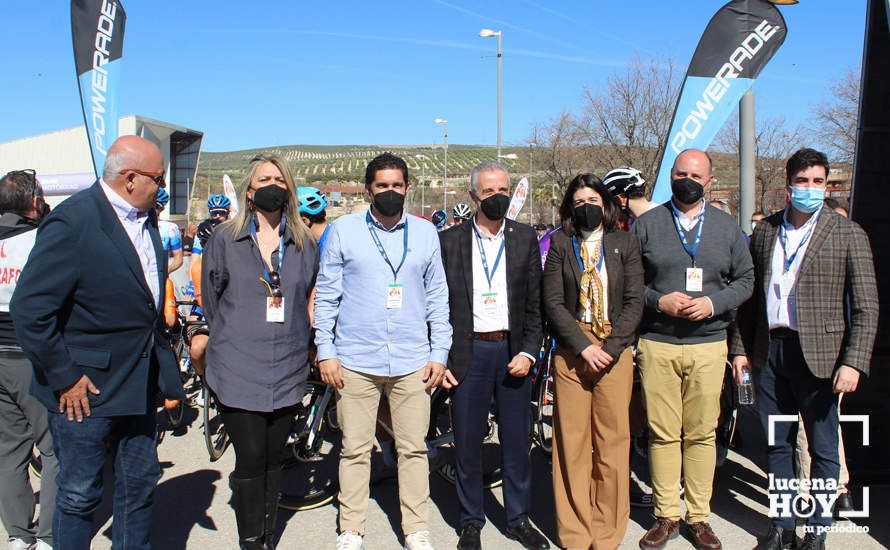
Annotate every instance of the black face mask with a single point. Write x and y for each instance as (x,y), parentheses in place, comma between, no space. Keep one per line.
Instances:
(587,216)
(270,198)
(389,203)
(495,207)
(687,191)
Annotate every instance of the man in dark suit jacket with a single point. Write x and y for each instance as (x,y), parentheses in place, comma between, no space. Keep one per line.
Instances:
(493,269)
(86,312)
(794,334)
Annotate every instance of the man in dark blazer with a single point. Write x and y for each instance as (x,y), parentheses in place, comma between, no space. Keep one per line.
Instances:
(86,312)
(493,269)
(794,333)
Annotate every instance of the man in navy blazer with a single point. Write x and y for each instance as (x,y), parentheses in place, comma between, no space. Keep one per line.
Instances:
(86,311)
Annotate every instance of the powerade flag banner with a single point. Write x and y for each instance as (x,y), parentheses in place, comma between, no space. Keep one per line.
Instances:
(97,32)
(738,42)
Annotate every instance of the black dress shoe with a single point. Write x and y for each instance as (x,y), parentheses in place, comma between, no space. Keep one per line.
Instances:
(777,539)
(469,538)
(843,504)
(811,542)
(528,536)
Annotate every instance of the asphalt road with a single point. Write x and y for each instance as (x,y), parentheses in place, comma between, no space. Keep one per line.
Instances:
(192,511)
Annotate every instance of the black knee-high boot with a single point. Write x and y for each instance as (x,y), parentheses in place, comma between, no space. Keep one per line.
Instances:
(273,487)
(248,496)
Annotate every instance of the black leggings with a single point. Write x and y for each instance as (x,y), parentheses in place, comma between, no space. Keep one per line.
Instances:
(258,437)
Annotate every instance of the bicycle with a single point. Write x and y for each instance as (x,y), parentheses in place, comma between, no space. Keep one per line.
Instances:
(543,398)
(311,467)
(216,439)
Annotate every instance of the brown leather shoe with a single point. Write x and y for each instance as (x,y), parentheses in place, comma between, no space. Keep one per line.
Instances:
(660,534)
(703,536)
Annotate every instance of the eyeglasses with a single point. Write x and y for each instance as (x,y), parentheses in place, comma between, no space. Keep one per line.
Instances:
(29,172)
(157,178)
(262,157)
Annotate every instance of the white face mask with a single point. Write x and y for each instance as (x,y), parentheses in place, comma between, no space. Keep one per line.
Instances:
(753,225)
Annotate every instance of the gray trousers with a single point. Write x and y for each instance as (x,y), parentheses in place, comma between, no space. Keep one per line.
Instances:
(23,424)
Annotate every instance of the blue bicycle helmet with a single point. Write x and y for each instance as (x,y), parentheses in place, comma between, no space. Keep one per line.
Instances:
(218,202)
(163,198)
(311,200)
(439,218)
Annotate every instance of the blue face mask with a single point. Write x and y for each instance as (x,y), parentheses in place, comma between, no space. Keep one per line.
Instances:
(807,199)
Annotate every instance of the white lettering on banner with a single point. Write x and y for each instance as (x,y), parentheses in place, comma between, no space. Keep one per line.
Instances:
(719,84)
(99,84)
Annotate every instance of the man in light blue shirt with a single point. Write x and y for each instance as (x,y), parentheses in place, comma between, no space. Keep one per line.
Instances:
(381,321)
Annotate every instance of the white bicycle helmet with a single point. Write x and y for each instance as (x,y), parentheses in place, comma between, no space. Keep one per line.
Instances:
(620,180)
(461,211)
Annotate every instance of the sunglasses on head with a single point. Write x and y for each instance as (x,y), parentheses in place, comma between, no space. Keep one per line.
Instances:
(157,178)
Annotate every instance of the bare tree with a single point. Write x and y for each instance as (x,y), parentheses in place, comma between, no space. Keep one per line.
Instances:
(626,122)
(774,141)
(836,118)
(558,148)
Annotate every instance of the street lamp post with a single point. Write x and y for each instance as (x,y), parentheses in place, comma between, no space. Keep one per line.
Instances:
(422,186)
(531,196)
(486,33)
(445,177)
(553,188)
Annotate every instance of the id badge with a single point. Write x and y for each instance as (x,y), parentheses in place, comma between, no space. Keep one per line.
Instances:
(274,310)
(394,296)
(490,303)
(694,276)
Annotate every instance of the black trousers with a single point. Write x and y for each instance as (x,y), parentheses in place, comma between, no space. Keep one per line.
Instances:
(258,438)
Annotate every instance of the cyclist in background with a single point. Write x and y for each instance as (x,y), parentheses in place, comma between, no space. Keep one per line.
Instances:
(461,212)
(439,218)
(312,210)
(628,186)
(218,205)
(171,237)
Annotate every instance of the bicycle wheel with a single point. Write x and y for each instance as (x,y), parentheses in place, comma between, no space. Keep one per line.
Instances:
(309,479)
(543,426)
(441,433)
(175,414)
(215,436)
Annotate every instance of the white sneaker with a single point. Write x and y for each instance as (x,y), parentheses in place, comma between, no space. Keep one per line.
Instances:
(350,541)
(42,546)
(418,541)
(19,544)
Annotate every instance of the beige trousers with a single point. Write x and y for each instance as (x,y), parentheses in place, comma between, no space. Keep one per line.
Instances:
(409,404)
(591,490)
(681,389)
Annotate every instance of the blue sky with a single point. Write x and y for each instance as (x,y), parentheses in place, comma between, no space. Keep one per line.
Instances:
(252,74)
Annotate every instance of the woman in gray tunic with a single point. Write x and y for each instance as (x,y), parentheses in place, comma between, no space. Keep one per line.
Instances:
(257,277)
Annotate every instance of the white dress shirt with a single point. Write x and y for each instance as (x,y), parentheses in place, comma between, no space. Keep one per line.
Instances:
(486,319)
(135,227)
(592,243)
(781,297)
(687,222)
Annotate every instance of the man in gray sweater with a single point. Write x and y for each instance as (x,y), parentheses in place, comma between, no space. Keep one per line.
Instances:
(697,271)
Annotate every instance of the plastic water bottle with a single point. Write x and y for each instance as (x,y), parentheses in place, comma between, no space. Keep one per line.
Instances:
(746,389)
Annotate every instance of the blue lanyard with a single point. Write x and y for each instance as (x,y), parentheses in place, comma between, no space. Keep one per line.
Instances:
(577,247)
(382,251)
(692,251)
(497,260)
(281,227)
(783,238)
